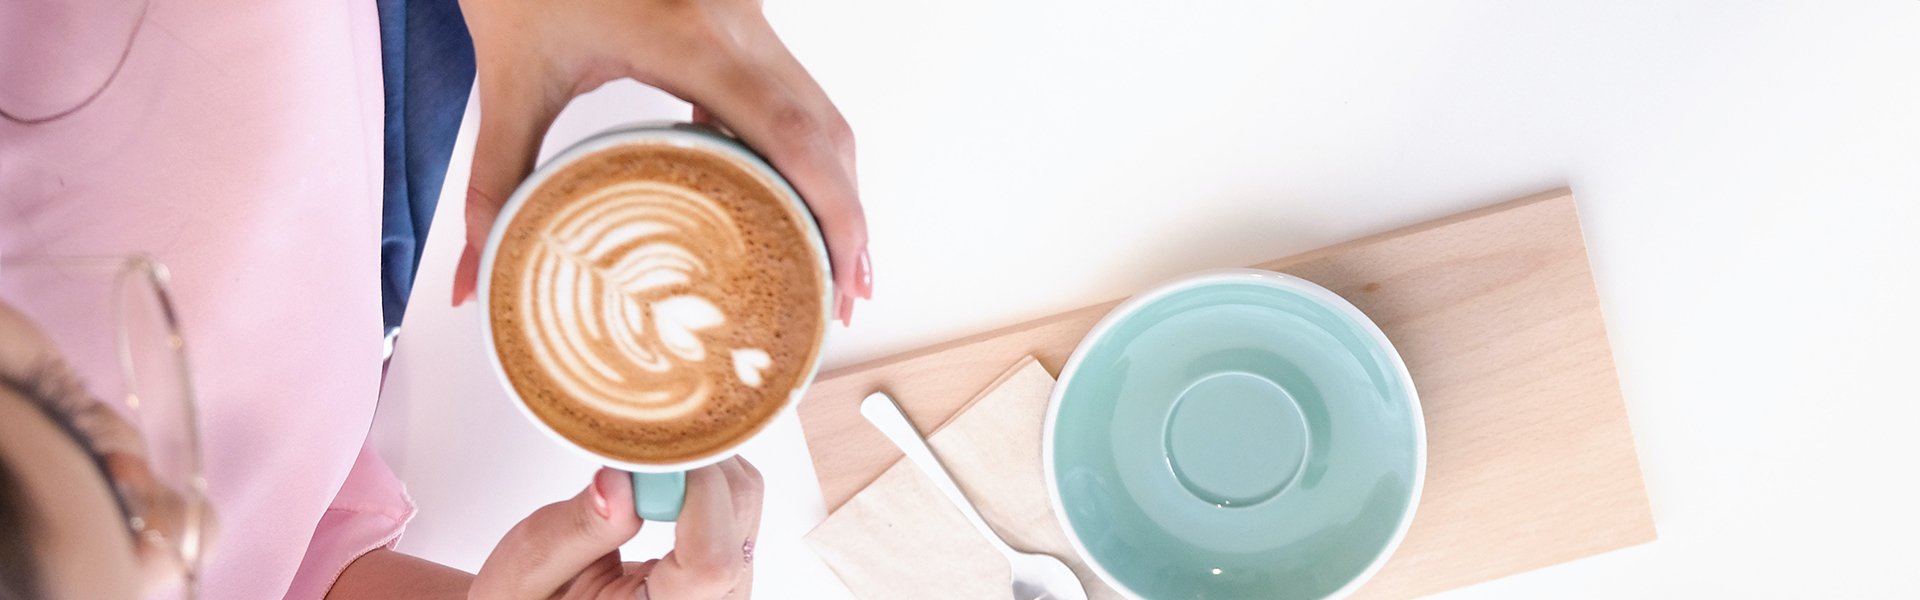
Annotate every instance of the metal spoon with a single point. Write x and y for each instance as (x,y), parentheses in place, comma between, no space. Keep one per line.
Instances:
(1035,576)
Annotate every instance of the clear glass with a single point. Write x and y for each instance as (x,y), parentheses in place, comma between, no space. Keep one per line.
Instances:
(114,321)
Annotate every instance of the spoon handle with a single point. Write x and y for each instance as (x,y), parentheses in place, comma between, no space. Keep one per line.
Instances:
(880,409)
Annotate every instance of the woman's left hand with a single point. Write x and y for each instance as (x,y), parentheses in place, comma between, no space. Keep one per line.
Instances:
(570,550)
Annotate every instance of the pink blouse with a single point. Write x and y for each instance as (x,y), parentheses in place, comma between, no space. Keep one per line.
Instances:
(241,145)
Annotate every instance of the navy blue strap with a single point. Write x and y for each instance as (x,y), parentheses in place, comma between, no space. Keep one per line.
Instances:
(426,57)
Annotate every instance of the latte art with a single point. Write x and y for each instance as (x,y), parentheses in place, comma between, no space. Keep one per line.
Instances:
(655,303)
(599,286)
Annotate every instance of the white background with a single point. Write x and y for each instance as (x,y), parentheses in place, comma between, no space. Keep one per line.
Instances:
(1747,176)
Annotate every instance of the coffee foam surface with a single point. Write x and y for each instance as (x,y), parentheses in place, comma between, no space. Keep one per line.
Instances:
(665,301)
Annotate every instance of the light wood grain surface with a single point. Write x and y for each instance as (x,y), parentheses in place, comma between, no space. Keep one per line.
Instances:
(1530,459)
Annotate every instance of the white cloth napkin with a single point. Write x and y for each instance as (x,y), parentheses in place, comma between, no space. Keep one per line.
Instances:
(900,538)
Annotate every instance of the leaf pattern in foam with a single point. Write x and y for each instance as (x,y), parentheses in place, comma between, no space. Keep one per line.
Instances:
(608,301)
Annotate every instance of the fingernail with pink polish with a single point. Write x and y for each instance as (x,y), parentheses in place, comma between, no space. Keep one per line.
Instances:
(600,496)
(863,273)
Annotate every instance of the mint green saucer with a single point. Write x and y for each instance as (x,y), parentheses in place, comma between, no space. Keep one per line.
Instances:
(1235,434)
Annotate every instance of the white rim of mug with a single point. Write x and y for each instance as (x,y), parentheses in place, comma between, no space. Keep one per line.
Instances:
(673,133)
(1199,279)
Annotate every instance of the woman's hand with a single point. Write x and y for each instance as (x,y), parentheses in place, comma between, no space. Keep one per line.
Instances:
(721,55)
(570,550)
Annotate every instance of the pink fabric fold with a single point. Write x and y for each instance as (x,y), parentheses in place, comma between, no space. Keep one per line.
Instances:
(370,511)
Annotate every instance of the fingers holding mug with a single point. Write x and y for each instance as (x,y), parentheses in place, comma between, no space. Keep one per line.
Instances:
(808,142)
(718,345)
(747,488)
(706,561)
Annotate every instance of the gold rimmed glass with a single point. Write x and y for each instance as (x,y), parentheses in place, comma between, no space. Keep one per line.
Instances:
(114,321)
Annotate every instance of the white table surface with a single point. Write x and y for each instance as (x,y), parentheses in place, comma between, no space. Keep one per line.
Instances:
(1747,176)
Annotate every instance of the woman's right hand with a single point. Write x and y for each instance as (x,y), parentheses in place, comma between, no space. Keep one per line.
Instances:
(570,550)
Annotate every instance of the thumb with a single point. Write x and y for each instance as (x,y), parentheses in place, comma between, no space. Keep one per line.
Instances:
(513,120)
(556,543)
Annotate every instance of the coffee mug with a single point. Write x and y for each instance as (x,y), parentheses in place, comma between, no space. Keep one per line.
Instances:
(659,490)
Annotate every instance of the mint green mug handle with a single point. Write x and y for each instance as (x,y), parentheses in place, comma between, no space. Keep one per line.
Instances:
(658,496)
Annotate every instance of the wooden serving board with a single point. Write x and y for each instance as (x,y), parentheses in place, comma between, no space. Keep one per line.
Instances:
(1530,461)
